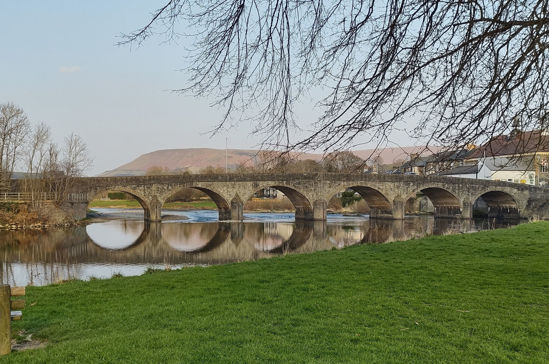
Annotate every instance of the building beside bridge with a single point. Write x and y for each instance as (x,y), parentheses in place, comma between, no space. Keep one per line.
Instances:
(435,163)
(520,157)
(496,169)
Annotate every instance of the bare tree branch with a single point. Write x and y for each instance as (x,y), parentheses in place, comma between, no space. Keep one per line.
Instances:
(448,72)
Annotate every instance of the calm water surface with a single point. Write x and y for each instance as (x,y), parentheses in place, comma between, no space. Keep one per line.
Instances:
(121,243)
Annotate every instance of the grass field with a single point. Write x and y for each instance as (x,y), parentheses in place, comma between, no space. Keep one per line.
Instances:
(192,205)
(480,297)
(252,205)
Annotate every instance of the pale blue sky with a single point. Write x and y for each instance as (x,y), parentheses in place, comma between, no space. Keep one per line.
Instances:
(59,62)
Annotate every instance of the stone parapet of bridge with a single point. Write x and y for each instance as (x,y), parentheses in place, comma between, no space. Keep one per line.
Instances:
(385,194)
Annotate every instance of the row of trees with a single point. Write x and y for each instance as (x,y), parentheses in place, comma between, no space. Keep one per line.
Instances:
(339,161)
(274,162)
(29,148)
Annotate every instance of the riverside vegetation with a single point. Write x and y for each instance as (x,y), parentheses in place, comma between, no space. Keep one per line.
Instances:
(481,297)
(254,204)
(202,204)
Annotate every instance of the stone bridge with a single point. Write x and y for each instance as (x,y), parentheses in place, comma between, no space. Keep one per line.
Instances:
(385,194)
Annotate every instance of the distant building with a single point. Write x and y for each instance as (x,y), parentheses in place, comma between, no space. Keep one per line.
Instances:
(496,169)
(465,171)
(506,169)
(521,157)
(435,163)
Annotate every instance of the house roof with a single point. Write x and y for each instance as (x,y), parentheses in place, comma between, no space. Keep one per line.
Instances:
(416,162)
(516,143)
(467,169)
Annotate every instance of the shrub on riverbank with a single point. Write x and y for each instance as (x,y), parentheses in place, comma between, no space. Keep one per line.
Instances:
(358,207)
(8,212)
(269,204)
(18,214)
(133,204)
(256,204)
(480,297)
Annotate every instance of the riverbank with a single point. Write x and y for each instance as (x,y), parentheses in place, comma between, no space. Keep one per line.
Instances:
(256,205)
(479,297)
(23,216)
(133,204)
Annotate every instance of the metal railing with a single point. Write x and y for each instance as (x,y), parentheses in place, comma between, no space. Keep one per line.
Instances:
(41,196)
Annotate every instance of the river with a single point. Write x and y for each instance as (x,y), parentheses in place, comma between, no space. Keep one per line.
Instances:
(120,243)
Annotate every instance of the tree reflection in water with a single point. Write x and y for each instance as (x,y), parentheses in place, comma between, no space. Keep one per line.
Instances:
(129,247)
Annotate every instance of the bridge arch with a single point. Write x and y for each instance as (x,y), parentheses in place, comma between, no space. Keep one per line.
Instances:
(302,205)
(377,201)
(445,202)
(223,206)
(135,194)
(496,203)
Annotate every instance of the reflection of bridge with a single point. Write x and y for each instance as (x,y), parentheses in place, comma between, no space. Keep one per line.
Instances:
(53,255)
(208,243)
(386,195)
(197,238)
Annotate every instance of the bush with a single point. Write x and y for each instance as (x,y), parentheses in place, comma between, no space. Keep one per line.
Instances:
(269,204)
(187,195)
(119,196)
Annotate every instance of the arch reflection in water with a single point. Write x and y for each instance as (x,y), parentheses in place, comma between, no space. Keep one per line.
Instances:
(269,235)
(129,247)
(197,237)
(117,234)
(278,238)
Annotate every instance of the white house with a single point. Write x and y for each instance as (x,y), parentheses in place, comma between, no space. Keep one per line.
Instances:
(531,148)
(497,169)
(506,169)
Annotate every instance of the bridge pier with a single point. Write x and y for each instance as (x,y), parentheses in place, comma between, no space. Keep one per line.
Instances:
(154,212)
(319,210)
(397,210)
(237,209)
(234,212)
(466,210)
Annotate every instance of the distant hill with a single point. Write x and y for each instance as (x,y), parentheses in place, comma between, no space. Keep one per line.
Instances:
(195,159)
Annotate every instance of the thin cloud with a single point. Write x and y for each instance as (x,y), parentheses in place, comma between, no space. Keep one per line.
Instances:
(69,69)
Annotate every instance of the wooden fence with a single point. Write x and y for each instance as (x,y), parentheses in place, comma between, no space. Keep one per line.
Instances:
(9,300)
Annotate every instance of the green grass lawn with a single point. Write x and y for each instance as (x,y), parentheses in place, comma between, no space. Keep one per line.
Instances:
(480,297)
(192,205)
